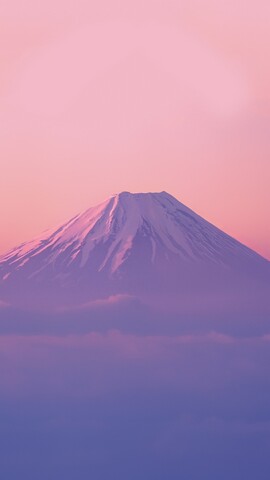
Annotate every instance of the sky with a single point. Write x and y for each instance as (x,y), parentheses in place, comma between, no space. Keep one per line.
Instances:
(104,96)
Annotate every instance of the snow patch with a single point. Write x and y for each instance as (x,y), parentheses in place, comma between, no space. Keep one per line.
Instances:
(113,225)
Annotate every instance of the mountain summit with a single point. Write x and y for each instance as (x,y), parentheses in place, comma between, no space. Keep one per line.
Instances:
(130,243)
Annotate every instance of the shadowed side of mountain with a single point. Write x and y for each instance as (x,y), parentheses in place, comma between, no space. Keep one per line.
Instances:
(136,244)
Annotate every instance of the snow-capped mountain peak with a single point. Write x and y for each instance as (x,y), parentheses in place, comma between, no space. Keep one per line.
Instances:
(128,236)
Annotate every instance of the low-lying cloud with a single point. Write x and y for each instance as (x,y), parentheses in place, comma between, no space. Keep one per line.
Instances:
(116,390)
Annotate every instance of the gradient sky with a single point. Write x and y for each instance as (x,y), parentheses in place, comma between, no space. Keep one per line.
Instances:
(110,95)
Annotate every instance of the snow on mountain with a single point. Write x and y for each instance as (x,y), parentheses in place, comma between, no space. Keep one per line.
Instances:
(124,241)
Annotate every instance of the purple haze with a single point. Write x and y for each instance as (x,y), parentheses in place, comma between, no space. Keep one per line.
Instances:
(155,366)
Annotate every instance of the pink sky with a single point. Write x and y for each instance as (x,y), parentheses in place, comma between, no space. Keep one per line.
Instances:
(103,96)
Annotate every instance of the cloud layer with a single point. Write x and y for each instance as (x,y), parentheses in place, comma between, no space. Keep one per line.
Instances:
(118,391)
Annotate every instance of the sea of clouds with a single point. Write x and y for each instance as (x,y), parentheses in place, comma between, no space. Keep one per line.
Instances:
(118,390)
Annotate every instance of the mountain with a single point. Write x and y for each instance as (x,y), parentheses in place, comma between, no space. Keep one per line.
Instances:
(136,244)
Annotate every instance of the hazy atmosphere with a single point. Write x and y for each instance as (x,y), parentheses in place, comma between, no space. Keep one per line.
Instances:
(135,335)
(103,96)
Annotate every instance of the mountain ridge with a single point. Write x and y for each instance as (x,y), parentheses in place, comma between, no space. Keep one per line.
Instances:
(130,239)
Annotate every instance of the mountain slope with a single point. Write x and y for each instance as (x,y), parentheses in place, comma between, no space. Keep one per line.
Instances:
(129,243)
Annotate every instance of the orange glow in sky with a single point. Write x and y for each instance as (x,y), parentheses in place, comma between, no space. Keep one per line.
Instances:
(103,96)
